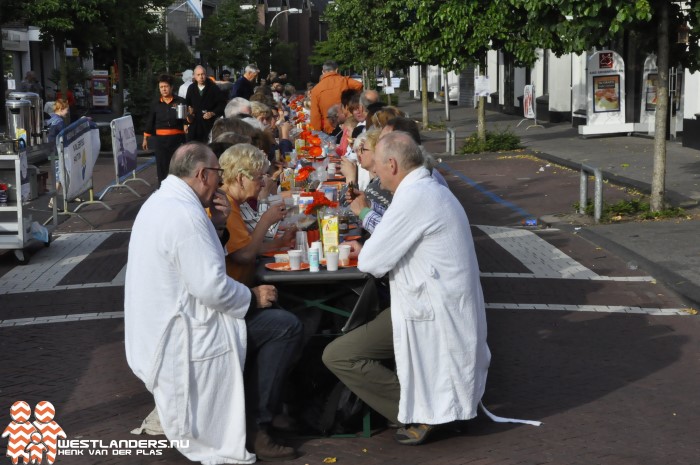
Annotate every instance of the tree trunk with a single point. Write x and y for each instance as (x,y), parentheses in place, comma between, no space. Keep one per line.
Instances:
(387,80)
(481,107)
(424,94)
(481,120)
(658,181)
(63,67)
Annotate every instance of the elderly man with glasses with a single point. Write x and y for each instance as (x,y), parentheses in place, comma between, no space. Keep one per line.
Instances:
(185,330)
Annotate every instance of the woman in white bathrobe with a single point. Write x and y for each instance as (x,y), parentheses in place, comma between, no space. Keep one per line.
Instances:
(185,334)
(424,243)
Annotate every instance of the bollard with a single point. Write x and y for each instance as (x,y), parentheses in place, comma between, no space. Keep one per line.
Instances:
(450,141)
(598,191)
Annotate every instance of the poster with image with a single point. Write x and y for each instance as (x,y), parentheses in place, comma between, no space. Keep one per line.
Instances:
(650,85)
(606,93)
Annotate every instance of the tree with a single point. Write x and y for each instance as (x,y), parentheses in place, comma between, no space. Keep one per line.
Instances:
(231,36)
(127,24)
(60,21)
(577,25)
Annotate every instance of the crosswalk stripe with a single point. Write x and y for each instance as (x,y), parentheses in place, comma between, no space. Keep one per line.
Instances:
(50,266)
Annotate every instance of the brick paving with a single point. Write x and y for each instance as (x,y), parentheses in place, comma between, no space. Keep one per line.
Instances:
(611,388)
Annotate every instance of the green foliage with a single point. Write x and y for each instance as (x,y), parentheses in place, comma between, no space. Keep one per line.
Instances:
(231,37)
(179,56)
(631,209)
(142,90)
(75,74)
(495,142)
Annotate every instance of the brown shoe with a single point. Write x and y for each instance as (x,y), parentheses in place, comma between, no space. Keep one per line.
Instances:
(267,449)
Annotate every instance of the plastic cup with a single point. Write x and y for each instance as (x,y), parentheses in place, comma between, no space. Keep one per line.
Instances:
(317,245)
(294,259)
(332,261)
(344,254)
(281,258)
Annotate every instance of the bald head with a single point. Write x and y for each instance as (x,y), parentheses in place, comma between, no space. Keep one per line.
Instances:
(400,146)
(200,75)
(188,157)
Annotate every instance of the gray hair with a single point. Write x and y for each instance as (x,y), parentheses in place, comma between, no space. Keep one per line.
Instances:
(329,66)
(251,68)
(400,146)
(333,112)
(235,106)
(359,141)
(187,157)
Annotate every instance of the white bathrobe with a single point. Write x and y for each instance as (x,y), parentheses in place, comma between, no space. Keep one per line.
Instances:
(185,333)
(437,306)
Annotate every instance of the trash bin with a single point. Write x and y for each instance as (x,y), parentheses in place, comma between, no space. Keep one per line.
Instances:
(19,119)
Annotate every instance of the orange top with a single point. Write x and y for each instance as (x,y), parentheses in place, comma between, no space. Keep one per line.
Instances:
(325,94)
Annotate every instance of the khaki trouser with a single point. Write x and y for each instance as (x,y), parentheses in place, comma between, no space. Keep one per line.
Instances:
(355,358)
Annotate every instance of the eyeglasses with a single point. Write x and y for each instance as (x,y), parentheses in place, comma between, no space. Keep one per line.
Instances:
(219,171)
(257,178)
(364,149)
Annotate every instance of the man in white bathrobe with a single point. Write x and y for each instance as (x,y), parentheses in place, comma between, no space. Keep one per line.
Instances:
(436,326)
(185,334)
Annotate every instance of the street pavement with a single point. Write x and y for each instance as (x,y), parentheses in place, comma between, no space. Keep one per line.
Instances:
(591,327)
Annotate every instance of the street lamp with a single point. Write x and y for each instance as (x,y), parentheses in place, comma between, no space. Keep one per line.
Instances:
(291,11)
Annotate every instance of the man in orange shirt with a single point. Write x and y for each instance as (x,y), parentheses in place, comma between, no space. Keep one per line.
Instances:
(326,93)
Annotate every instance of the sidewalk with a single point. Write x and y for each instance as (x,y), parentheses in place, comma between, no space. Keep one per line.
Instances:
(668,248)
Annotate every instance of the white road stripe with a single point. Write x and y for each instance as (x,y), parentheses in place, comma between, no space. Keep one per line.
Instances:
(538,255)
(592,278)
(40,320)
(589,308)
(48,267)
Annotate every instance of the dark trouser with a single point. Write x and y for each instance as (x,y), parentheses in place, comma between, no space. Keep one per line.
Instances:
(164,148)
(274,341)
(356,359)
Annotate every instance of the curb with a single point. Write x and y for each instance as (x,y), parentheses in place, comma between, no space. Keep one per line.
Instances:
(676,199)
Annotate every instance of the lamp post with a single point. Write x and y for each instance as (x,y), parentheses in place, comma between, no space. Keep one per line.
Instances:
(291,11)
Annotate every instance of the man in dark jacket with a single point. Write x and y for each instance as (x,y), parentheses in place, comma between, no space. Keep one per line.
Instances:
(206,103)
(245,85)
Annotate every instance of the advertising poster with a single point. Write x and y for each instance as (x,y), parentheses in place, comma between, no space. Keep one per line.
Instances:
(124,146)
(650,85)
(528,107)
(606,93)
(79,145)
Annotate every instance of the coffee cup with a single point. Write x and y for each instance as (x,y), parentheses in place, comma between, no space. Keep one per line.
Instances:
(294,259)
(344,254)
(332,261)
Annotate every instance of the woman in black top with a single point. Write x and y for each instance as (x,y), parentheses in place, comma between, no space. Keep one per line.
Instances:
(164,131)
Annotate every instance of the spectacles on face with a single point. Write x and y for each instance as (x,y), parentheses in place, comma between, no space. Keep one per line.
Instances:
(363,150)
(258,179)
(219,172)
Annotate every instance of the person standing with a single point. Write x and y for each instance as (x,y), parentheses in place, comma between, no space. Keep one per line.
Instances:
(326,93)
(30,83)
(245,85)
(436,326)
(164,132)
(185,333)
(206,102)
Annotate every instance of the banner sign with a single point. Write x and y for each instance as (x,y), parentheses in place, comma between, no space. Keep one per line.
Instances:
(528,98)
(78,146)
(124,146)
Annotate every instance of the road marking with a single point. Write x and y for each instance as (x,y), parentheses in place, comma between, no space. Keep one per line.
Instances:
(48,267)
(542,258)
(40,320)
(77,317)
(590,308)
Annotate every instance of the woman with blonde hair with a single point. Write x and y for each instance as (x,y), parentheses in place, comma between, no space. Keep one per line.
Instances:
(274,334)
(244,174)
(55,125)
